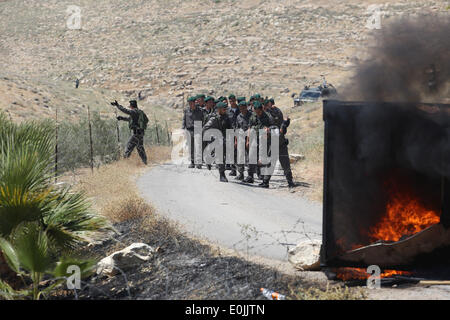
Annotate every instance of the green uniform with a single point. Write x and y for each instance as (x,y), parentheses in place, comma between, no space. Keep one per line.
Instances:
(258,123)
(242,122)
(222,123)
(189,117)
(283,153)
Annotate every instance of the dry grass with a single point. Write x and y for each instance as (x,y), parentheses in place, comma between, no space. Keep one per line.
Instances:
(184,268)
(127,209)
(112,187)
(329,293)
(305,136)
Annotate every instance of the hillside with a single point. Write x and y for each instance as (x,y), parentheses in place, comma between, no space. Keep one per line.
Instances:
(160,51)
(162,48)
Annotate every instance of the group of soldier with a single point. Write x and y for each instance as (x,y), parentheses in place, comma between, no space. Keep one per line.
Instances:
(237,113)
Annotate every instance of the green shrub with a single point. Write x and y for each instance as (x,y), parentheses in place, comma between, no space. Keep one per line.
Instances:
(74,145)
(39,222)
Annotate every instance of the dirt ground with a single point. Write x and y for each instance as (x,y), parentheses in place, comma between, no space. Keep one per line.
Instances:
(183,267)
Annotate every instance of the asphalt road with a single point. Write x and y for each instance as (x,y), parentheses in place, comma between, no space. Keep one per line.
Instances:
(254,221)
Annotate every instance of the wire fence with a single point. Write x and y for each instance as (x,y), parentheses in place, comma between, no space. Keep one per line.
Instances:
(95,140)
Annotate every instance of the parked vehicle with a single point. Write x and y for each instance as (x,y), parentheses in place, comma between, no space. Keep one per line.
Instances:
(312,94)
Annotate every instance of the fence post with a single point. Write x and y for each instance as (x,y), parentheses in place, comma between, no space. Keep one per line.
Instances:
(9,114)
(168,134)
(56,145)
(118,135)
(90,139)
(183,100)
(156,129)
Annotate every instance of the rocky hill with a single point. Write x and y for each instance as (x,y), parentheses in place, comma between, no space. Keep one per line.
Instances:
(160,49)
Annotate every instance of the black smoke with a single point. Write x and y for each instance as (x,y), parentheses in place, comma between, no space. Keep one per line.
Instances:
(407,61)
(398,129)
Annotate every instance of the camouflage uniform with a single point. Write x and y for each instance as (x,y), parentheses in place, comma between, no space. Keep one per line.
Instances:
(242,122)
(283,154)
(222,123)
(233,114)
(258,123)
(189,117)
(137,139)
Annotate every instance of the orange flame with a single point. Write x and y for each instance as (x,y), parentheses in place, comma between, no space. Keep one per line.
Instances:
(405,215)
(346,273)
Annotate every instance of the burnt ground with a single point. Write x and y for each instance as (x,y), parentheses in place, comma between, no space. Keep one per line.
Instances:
(184,268)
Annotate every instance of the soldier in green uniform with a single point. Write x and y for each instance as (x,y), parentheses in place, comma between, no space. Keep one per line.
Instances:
(258,120)
(191,114)
(208,111)
(200,100)
(220,121)
(240,99)
(242,123)
(138,123)
(233,112)
(225,100)
(283,153)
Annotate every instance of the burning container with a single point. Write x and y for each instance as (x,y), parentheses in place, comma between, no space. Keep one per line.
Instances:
(386,184)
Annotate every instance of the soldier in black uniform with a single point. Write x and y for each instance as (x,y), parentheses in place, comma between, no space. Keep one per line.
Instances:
(190,115)
(138,123)
(220,121)
(242,123)
(283,153)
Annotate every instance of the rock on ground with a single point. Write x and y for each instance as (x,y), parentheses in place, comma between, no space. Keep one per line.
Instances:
(131,256)
(305,256)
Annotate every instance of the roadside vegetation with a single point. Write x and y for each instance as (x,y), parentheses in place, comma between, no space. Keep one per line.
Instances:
(42,225)
(183,267)
(109,138)
(48,227)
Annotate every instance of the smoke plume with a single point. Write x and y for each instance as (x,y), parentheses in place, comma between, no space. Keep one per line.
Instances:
(408,61)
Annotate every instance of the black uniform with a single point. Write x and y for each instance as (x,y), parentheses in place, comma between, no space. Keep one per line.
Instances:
(189,117)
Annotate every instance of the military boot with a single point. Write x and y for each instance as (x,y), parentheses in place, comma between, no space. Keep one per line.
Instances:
(223,178)
(249,179)
(265,183)
(192,165)
(199,166)
(290,181)
(240,176)
(258,173)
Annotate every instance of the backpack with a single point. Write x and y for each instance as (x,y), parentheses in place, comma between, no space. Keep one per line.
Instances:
(142,120)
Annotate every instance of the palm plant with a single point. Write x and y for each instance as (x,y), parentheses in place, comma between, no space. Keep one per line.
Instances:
(28,254)
(39,222)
